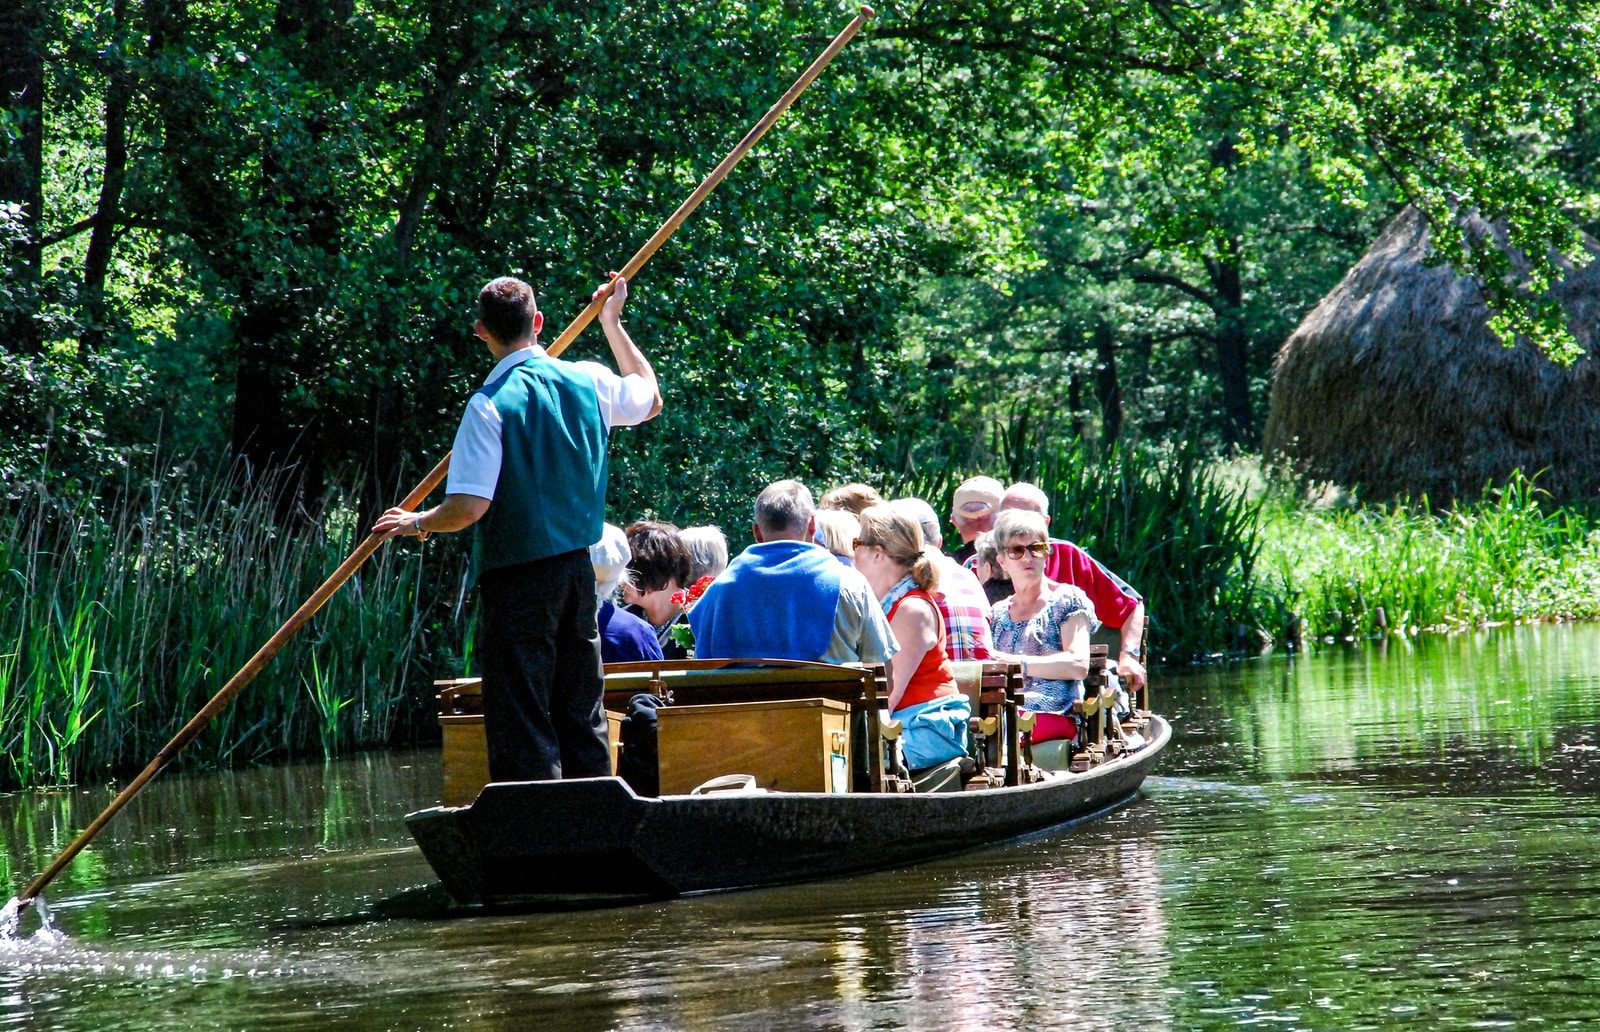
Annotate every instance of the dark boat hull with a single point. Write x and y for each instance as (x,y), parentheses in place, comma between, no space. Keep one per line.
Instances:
(543,840)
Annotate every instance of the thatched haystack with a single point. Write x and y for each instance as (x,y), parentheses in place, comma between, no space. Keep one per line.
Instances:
(1394,385)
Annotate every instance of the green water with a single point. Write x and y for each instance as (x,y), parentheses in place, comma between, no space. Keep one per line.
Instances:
(1401,836)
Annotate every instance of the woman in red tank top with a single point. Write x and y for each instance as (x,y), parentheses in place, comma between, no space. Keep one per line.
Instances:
(923,694)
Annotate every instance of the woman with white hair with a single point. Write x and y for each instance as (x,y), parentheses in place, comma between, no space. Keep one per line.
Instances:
(624,638)
(708,552)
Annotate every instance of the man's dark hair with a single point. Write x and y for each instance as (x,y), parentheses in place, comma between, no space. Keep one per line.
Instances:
(659,555)
(506,308)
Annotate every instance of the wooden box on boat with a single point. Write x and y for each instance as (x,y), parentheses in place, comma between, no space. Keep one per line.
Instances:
(465,752)
(796,745)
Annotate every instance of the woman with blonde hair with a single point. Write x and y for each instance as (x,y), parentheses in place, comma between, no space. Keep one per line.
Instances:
(923,695)
(837,530)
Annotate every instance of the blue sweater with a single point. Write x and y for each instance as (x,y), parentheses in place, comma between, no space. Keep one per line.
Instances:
(624,638)
(777,600)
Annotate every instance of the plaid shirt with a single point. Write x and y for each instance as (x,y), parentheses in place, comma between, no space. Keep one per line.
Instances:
(966,630)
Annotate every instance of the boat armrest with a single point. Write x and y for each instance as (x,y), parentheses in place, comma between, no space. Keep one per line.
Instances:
(752,680)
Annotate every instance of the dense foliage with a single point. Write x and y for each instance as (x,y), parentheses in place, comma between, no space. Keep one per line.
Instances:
(256,228)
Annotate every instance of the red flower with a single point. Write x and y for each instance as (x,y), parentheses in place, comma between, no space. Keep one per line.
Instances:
(684,599)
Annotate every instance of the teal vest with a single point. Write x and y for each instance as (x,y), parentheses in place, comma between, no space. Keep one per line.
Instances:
(551,495)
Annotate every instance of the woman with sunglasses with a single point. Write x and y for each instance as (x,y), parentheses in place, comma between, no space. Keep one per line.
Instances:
(1044,626)
(923,696)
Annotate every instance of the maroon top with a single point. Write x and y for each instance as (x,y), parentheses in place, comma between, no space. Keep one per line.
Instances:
(1114,601)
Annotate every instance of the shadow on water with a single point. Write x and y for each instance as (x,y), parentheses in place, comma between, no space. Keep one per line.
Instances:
(1359,839)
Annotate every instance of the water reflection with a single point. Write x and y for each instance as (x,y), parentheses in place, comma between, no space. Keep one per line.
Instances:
(1351,841)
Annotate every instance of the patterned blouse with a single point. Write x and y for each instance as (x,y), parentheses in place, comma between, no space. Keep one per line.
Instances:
(1041,636)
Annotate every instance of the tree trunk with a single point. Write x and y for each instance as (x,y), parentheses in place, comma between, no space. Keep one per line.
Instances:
(108,209)
(1233,342)
(21,166)
(1075,404)
(279,346)
(1233,346)
(1108,392)
(454,56)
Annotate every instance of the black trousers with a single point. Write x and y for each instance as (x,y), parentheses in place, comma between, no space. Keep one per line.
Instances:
(542,679)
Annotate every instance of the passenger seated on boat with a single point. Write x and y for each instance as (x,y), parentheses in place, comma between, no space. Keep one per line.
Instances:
(986,564)
(785,597)
(851,498)
(972,510)
(923,696)
(624,638)
(1114,601)
(659,567)
(959,596)
(837,531)
(1044,626)
(708,552)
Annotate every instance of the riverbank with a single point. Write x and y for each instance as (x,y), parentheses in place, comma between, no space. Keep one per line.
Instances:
(1367,571)
(119,620)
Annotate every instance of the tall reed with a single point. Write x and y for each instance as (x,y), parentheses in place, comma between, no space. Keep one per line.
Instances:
(1396,568)
(1174,528)
(115,628)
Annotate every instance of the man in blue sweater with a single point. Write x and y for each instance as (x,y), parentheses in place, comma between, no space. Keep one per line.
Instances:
(529,468)
(786,597)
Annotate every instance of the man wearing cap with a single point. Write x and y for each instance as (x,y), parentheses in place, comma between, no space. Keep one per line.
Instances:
(958,595)
(1115,602)
(529,468)
(972,510)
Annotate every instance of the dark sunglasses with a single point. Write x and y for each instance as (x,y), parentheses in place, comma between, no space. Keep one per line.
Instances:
(858,543)
(1038,548)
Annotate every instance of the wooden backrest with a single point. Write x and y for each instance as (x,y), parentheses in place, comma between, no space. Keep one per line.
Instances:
(708,681)
(983,683)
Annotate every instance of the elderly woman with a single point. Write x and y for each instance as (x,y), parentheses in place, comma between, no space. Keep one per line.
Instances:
(923,695)
(986,564)
(659,567)
(708,551)
(624,638)
(1044,626)
(837,530)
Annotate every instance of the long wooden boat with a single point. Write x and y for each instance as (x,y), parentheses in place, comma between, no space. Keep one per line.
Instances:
(539,842)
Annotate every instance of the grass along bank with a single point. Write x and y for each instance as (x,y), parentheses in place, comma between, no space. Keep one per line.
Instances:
(1367,570)
(117,624)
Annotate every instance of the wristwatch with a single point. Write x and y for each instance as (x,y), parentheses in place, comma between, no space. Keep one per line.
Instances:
(1136,651)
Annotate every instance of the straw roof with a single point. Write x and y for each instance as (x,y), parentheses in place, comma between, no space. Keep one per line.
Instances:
(1395,385)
